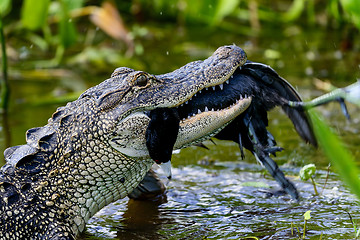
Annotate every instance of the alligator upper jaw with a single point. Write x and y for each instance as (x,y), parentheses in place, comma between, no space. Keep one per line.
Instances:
(210,110)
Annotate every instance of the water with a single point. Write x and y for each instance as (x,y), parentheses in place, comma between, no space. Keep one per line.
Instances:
(221,203)
(214,194)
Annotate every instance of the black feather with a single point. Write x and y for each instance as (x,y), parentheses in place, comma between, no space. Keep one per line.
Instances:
(161,133)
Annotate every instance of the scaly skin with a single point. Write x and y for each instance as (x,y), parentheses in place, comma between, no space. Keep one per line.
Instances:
(76,164)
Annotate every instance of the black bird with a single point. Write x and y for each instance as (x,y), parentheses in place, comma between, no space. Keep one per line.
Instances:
(249,129)
(268,90)
(161,136)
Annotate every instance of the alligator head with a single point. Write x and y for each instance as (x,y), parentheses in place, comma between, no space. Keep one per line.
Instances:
(93,151)
(198,95)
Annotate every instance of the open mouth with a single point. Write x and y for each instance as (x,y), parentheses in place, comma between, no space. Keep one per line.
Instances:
(225,96)
(201,117)
(209,110)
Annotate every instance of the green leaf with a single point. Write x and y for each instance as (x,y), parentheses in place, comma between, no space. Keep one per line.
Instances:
(34,13)
(335,151)
(5,7)
(352,8)
(307,171)
(224,8)
(295,10)
(307,215)
(74,4)
(68,34)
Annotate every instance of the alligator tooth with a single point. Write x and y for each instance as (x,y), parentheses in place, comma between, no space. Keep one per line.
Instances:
(213,87)
(194,114)
(245,96)
(195,94)
(241,97)
(206,109)
(227,81)
(232,76)
(212,109)
(221,86)
(187,102)
(199,111)
(199,91)
(206,88)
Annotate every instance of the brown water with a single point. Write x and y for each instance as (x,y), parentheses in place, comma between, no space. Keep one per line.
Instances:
(213,192)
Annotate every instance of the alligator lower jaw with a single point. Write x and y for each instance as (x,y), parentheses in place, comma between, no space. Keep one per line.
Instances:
(204,125)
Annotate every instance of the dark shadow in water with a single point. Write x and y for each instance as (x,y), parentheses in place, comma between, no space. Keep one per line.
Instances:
(142,219)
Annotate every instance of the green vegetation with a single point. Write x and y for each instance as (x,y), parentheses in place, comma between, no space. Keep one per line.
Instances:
(58,23)
(337,153)
(307,173)
(307,217)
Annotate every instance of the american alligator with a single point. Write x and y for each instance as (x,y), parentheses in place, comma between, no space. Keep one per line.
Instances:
(94,151)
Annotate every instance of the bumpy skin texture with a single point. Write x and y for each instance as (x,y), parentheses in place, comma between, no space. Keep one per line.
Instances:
(68,169)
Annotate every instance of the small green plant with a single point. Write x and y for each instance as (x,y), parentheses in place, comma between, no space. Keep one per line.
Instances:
(306,218)
(307,172)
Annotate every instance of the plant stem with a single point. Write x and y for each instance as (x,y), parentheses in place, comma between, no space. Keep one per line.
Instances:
(4,95)
(303,237)
(314,184)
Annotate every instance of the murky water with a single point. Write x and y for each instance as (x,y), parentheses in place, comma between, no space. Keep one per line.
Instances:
(223,203)
(214,194)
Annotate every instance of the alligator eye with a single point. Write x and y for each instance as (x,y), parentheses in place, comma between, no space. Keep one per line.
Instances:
(141,81)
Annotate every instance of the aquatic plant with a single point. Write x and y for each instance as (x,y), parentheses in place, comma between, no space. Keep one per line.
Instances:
(307,173)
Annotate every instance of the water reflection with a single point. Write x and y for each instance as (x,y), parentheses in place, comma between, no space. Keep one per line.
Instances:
(142,218)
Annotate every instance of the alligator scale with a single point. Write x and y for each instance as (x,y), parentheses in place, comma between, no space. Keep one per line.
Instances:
(98,148)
